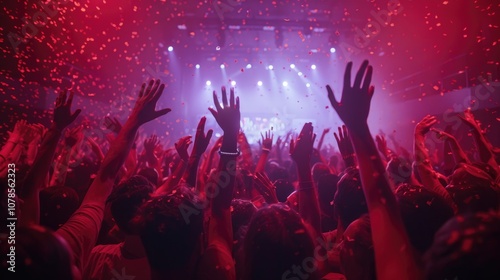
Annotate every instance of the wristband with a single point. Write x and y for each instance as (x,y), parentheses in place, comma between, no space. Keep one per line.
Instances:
(266,150)
(237,153)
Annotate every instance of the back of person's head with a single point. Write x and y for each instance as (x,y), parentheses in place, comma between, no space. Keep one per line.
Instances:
(151,174)
(241,213)
(357,258)
(126,199)
(276,241)
(171,225)
(327,186)
(39,254)
(283,189)
(474,198)
(319,169)
(349,200)
(57,204)
(423,213)
(466,247)
(399,170)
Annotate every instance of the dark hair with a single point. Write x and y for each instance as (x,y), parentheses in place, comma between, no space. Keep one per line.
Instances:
(57,204)
(276,240)
(466,247)
(423,213)
(241,213)
(151,174)
(327,187)
(126,199)
(349,200)
(39,254)
(357,257)
(170,227)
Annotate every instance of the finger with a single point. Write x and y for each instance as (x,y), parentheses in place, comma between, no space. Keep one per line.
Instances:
(336,137)
(143,88)
(238,103)
(70,98)
(262,136)
(148,89)
(158,93)
(371,91)
(216,102)
(210,132)
(347,75)
(341,135)
(224,97)
(346,134)
(63,97)
(292,146)
(360,74)
(201,124)
(331,97)
(162,112)
(368,78)
(75,114)
(313,138)
(214,113)
(231,97)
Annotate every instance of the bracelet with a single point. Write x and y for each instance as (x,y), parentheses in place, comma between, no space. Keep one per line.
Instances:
(266,150)
(237,153)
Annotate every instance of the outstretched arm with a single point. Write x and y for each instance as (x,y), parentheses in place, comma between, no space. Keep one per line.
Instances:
(228,118)
(345,147)
(393,255)
(301,151)
(35,179)
(483,146)
(82,229)
(428,175)
(200,145)
(267,144)
(458,153)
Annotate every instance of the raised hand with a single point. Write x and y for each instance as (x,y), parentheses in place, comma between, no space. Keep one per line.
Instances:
(150,144)
(73,136)
(267,140)
(182,145)
(354,104)
(301,149)
(441,134)
(425,124)
(145,106)
(201,140)
(344,142)
(112,124)
(227,115)
(265,187)
(381,143)
(62,110)
(468,118)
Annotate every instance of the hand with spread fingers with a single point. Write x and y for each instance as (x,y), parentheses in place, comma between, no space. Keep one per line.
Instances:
(145,106)
(354,104)
(62,111)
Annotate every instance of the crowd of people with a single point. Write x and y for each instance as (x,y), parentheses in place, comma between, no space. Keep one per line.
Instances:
(126,207)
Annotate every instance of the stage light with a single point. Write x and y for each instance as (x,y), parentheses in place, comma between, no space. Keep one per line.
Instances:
(249,66)
(233,83)
(308,85)
(259,83)
(208,83)
(333,50)
(170,48)
(292,66)
(182,27)
(270,67)
(197,66)
(313,67)
(285,83)
(217,48)
(300,73)
(222,66)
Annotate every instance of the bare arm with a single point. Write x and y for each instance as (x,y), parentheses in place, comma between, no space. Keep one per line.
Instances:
(267,144)
(393,255)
